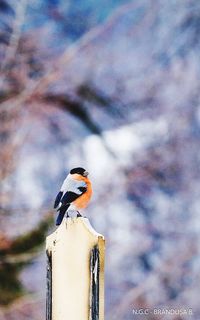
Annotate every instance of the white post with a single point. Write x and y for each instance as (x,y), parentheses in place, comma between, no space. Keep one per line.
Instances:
(75,277)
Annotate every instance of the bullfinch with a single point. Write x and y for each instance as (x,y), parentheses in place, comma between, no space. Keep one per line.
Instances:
(75,193)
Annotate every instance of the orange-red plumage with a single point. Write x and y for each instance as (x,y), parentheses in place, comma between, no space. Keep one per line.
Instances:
(83,200)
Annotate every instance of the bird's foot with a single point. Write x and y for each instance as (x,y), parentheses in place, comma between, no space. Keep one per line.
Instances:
(78,214)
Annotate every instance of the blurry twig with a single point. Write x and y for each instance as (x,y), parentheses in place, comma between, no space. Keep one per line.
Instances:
(69,54)
(20,258)
(75,108)
(15,36)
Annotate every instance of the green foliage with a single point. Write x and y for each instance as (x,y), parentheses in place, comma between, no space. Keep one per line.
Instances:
(29,241)
(32,239)
(20,253)
(10,286)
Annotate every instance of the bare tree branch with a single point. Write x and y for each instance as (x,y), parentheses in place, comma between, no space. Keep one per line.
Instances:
(15,36)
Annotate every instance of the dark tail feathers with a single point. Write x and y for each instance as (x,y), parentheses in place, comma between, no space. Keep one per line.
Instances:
(61,214)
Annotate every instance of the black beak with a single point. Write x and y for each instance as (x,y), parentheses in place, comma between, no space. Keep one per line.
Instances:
(85,174)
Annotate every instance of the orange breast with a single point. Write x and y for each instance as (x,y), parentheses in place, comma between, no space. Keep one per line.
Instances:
(83,200)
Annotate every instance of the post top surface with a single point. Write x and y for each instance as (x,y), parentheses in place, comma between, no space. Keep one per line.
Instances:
(80,222)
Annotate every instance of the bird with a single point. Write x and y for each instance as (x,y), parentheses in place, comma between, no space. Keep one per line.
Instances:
(74,194)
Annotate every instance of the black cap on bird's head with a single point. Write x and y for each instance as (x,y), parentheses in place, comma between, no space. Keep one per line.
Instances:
(80,171)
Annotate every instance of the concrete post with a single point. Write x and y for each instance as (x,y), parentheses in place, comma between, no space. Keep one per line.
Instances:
(75,272)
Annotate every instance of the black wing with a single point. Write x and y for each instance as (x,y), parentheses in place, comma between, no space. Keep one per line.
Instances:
(82,189)
(61,214)
(58,198)
(70,196)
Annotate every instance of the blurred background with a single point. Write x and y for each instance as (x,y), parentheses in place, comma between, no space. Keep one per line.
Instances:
(113,86)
